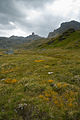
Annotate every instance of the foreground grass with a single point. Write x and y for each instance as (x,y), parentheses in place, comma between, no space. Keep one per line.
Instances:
(40,85)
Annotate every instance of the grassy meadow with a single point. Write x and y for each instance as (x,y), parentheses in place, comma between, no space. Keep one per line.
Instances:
(43,84)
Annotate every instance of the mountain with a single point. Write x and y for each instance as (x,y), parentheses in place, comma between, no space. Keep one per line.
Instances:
(68,39)
(33,37)
(32,41)
(16,40)
(65,26)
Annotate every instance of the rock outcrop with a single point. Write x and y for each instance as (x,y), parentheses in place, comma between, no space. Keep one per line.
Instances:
(64,27)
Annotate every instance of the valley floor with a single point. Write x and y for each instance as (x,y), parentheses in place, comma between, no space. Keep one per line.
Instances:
(40,85)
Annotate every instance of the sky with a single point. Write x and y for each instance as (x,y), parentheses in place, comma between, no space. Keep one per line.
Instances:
(22,17)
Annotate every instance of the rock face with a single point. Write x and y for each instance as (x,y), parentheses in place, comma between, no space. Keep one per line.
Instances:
(64,27)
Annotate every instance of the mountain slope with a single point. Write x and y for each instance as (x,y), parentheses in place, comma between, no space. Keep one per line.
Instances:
(65,26)
(69,39)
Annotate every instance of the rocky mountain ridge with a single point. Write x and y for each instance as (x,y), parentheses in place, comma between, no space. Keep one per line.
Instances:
(6,42)
(13,41)
(64,27)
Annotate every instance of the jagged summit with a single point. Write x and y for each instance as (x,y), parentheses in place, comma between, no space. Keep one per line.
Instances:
(33,36)
(33,33)
(65,26)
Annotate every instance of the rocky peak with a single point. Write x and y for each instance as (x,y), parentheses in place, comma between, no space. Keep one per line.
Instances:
(33,33)
(33,36)
(64,27)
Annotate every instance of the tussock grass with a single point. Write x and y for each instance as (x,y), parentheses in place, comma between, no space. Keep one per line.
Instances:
(38,95)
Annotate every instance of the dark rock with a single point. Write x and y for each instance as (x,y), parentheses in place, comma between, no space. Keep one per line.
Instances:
(50,42)
(66,34)
(33,37)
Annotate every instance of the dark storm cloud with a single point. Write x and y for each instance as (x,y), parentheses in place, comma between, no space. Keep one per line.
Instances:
(9,11)
(21,17)
(8,8)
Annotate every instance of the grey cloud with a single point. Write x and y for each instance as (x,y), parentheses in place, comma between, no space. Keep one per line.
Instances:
(9,12)
(35,3)
(13,10)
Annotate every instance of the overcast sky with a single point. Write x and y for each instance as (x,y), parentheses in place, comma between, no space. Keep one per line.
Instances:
(22,17)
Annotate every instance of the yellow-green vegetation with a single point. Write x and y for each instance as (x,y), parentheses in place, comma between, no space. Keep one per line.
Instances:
(69,40)
(28,92)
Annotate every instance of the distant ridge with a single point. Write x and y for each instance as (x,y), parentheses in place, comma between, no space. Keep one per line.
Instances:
(64,27)
(33,36)
(12,41)
(33,40)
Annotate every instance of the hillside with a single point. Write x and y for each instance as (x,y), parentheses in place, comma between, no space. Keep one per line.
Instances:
(64,27)
(69,39)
